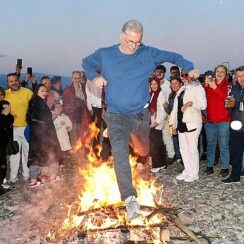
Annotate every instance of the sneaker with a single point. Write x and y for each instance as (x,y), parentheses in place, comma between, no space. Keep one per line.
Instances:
(242,173)
(156,170)
(229,181)
(182,176)
(5,185)
(191,179)
(209,170)
(132,208)
(3,191)
(224,172)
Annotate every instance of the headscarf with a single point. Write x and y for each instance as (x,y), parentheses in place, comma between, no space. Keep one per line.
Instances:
(154,95)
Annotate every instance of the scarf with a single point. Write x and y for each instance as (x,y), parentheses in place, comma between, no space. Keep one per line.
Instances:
(154,96)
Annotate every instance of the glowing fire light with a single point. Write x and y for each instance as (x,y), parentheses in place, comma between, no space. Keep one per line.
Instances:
(100,189)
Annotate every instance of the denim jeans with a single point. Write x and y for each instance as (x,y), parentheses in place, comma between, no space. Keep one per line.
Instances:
(124,130)
(218,132)
(176,146)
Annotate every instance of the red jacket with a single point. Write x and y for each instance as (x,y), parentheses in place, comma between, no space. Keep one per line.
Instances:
(216,111)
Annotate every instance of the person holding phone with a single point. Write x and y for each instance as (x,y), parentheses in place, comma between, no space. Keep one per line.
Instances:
(29,78)
(19,98)
(236,104)
(218,119)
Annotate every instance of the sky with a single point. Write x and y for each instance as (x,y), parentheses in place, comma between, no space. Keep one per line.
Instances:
(53,36)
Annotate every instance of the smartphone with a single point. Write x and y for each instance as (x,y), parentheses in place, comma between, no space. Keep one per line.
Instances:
(19,62)
(29,71)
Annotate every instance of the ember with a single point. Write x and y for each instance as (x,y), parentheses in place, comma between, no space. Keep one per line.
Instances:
(100,217)
(99,207)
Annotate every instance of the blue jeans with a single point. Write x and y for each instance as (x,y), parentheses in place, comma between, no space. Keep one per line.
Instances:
(218,132)
(124,130)
(176,146)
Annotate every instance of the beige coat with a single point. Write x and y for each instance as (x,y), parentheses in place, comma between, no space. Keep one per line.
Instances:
(63,125)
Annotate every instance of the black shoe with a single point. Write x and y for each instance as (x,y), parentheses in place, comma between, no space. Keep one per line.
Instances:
(229,181)
(242,173)
(209,170)
(203,157)
(224,172)
(3,191)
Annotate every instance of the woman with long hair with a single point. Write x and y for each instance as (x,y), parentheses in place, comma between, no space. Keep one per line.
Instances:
(157,147)
(218,119)
(186,119)
(44,148)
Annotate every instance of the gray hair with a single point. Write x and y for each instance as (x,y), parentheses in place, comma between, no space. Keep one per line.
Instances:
(76,72)
(132,25)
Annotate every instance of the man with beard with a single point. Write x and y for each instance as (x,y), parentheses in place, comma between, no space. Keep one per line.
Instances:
(19,98)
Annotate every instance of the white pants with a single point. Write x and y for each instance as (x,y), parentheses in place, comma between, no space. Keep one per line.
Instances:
(188,142)
(15,159)
(168,141)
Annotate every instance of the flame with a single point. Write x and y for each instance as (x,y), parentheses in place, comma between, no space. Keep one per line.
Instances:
(51,236)
(100,189)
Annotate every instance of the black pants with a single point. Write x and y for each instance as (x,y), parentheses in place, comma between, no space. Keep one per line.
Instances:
(3,163)
(157,148)
(236,153)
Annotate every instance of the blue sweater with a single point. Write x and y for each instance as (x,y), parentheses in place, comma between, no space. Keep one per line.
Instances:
(127,89)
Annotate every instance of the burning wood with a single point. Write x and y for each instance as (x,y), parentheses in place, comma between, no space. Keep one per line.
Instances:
(100,215)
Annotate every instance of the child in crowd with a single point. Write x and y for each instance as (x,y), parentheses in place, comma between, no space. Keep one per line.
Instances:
(62,125)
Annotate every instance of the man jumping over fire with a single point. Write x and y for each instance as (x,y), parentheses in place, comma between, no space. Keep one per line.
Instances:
(124,71)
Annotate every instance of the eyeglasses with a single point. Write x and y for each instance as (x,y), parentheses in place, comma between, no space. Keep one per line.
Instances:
(131,43)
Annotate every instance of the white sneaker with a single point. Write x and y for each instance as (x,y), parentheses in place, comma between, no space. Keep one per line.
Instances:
(132,208)
(5,186)
(191,179)
(155,170)
(182,176)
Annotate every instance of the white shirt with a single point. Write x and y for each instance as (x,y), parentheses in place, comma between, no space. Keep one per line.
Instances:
(166,89)
(94,95)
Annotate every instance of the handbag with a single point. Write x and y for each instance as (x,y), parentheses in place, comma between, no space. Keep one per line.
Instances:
(12,147)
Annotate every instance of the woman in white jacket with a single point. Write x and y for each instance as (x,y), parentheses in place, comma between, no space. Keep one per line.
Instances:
(62,125)
(158,114)
(186,119)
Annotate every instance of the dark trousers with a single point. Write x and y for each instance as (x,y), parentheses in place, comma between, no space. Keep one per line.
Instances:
(3,163)
(124,130)
(157,148)
(204,140)
(236,153)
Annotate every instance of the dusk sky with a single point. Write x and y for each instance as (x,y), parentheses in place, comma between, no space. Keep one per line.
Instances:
(53,36)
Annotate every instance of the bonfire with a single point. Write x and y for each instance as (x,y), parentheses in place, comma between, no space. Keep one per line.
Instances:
(99,216)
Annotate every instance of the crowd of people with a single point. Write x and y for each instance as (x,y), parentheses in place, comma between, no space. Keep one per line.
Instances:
(123,89)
